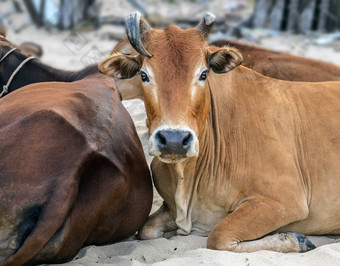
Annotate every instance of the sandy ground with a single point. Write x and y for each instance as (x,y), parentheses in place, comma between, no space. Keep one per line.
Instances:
(73,52)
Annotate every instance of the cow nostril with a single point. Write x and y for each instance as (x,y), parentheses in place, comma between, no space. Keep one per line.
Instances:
(187,140)
(161,138)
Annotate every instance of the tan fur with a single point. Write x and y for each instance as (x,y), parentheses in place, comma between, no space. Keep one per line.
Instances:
(129,88)
(218,58)
(129,65)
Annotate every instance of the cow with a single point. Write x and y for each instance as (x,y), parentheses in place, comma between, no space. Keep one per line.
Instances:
(247,160)
(72,171)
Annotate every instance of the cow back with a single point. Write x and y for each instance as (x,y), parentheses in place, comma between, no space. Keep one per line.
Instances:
(73,171)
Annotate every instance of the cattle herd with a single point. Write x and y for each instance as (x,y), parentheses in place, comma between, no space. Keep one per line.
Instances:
(246,146)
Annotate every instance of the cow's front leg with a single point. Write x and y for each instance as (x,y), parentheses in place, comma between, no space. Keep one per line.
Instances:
(254,219)
(158,224)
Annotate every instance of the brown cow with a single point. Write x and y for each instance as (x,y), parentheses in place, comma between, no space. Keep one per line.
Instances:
(72,171)
(237,155)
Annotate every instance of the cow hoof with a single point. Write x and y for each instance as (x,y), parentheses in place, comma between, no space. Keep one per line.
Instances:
(304,244)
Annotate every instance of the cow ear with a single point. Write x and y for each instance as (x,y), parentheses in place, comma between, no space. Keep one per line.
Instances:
(121,66)
(224,59)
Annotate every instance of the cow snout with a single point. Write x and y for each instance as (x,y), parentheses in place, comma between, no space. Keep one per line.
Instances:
(173,145)
(174,142)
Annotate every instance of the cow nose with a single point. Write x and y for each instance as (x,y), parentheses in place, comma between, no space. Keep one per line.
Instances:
(174,142)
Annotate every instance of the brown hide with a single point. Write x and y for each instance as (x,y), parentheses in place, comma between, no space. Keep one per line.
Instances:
(128,88)
(72,172)
(281,65)
(268,149)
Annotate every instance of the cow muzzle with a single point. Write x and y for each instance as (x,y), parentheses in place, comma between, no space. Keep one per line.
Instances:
(172,145)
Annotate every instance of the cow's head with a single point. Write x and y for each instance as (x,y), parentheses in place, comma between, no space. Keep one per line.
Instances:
(174,67)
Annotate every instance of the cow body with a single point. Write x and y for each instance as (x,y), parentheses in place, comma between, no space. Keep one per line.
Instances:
(269,153)
(262,140)
(73,171)
(237,155)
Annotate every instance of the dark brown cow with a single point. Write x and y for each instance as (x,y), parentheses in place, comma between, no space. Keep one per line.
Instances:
(238,155)
(72,171)
(281,65)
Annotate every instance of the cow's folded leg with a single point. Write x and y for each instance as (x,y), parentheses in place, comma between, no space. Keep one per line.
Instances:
(158,224)
(240,231)
(280,242)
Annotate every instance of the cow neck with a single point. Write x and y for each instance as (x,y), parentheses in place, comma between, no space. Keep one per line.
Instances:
(182,175)
(213,161)
(194,173)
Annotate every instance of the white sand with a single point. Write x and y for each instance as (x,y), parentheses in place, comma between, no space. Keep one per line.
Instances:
(178,250)
(190,250)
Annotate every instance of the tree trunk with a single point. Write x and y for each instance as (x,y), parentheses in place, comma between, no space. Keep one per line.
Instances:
(324,13)
(276,16)
(297,15)
(307,16)
(262,9)
(293,15)
(73,11)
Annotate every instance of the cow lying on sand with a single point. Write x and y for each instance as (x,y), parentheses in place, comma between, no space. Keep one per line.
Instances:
(237,155)
(72,171)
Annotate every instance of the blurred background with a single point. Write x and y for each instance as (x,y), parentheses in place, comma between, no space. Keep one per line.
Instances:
(76,33)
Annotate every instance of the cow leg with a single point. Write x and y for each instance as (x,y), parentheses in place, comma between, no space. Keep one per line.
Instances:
(158,224)
(283,242)
(254,219)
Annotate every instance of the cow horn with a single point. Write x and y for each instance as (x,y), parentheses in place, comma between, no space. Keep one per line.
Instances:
(136,27)
(206,24)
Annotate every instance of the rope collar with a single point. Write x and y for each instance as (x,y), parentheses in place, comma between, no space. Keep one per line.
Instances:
(7,54)
(5,87)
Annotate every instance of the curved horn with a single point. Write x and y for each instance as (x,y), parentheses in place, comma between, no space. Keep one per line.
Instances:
(206,24)
(136,26)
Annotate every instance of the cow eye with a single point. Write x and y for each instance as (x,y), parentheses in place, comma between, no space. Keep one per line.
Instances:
(203,75)
(144,76)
